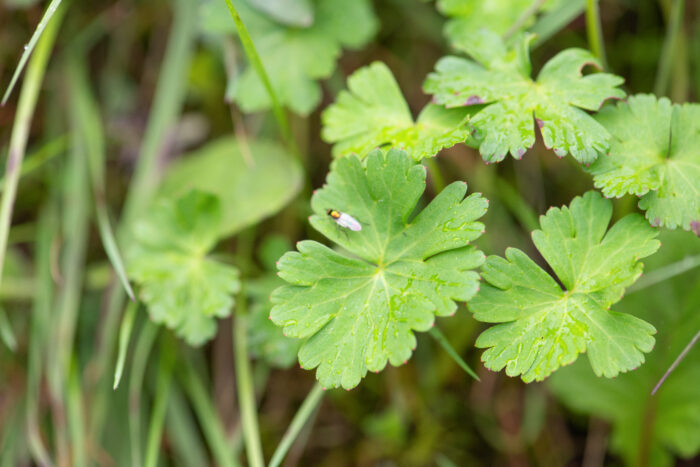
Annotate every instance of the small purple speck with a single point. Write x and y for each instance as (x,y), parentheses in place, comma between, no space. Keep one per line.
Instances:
(695,227)
(473,100)
(540,123)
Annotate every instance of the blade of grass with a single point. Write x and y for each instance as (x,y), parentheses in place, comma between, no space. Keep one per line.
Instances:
(677,361)
(155,428)
(207,416)
(522,19)
(48,14)
(144,343)
(20,129)
(594,31)
(8,336)
(38,158)
(244,383)
(167,104)
(74,402)
(307,409)
(669,49)
(40,318)
(124,335)
(440,338)
(86,116)
(186,441)
(257,64)
(556,20)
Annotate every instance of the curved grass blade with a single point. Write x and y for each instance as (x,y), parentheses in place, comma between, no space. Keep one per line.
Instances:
(124,335)
(48,14)
(440,338)
(144,344)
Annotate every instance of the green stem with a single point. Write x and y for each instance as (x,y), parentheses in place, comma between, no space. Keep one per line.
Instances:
(124,335)
(144,343)
(20,130)
(257,64)
(677,361)
(41,156)
(244,382)
(308,407)
(594,31)
(445,344)
(208,418)
(74,402)
(669,49)
(437,180)
(522,19)
(556,20)
(664,273)
(516,204)
(155,429)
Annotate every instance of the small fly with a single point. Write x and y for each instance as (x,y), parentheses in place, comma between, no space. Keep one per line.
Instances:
(345,220)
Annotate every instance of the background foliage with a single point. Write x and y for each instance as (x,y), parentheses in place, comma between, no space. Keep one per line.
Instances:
(154,142)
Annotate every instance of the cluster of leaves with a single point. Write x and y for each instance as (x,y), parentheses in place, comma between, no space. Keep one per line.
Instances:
(358,310)
(297,48)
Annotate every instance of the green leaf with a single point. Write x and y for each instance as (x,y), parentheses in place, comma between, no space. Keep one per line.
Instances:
(374,113)
(183,288)
(544,326)
(252,179)
(650,430)
(655,154)
(294,57)
(265,339)
(359,309)
(299,13)
(499,76)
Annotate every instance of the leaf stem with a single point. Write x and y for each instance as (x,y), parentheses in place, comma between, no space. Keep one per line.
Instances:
(244,383)
(664,273)
(144,343)
(155,429)
(554,21)
(594,31)
(516,204)
(257,64)
(444,343)
(677,361)
(436,178)
(308,407)
(669,49)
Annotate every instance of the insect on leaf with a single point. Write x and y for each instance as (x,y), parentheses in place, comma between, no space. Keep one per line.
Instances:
(182,287)
(358,309)
(655,154)
(543,326)
(374,113)
(498,75)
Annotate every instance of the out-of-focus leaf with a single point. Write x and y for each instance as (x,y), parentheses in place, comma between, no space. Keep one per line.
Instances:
(650,430)
(543,326)
(358,311)
(297,13)
(499,76)
(294,58)
(183,288)
(373,113)
(655,154)
(250,185)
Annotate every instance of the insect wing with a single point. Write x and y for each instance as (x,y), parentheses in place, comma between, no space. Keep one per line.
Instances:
(349,222)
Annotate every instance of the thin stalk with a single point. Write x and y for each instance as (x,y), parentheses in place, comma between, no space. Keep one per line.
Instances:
(556,20)
(124,335)
(669,50)
(516,204)
(144,343)
(445,344)
(40,317)
(522,19)
(155,429)
(38,158)
(208,418)
(74,401)
(307,409)
(20,129)
(86,117)
(677,361)
(438,181)
(257,64)
(594,31)
(51,10)
(8,336)
(664,273)
(184,436)
(244,383)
